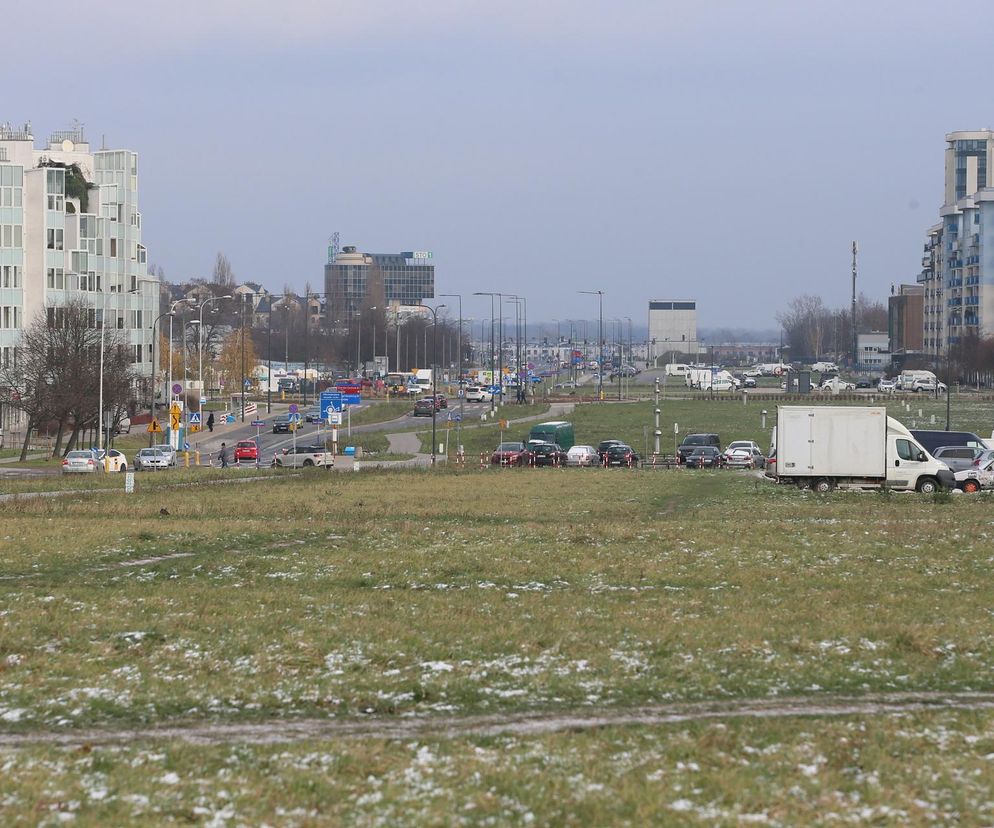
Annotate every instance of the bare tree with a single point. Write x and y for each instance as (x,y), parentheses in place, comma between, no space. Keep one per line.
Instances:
(223,275)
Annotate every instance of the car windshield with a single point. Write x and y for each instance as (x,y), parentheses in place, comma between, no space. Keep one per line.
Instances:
(740,444)
(245,444)
(509,447)
(78,455)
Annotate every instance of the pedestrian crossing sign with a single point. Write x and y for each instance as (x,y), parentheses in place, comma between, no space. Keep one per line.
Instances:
(194,418)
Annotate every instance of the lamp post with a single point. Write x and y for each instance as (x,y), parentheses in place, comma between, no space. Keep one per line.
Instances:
(459,386)
(600,337)
(200,351)
(434,396)
(494,380)
(151,405)
(516,301)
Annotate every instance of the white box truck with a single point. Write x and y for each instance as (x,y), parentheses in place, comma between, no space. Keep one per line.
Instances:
(852,447)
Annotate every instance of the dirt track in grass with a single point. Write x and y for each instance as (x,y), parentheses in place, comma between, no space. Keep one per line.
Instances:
(448,727)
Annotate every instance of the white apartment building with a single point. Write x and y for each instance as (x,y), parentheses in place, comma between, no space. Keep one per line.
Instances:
(958,263)
(70,229)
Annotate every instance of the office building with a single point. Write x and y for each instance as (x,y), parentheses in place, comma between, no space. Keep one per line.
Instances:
(672,328)
(70,230)
(958,264)
(354,279)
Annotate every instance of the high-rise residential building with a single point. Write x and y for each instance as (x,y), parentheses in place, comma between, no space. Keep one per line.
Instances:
(958,263)
(70,230)
(355,279)
(672,327)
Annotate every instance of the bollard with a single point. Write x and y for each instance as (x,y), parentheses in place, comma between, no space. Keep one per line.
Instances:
(197,456)
(186,459)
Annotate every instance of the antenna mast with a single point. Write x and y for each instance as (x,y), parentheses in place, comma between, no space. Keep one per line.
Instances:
(334,247)
(855,355)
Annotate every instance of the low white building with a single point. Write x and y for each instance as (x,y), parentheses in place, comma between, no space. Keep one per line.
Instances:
(873,351)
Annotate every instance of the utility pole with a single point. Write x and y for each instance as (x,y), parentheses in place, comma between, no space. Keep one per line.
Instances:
(855,356)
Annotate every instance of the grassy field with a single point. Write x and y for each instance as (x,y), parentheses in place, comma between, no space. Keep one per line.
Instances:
(386,595)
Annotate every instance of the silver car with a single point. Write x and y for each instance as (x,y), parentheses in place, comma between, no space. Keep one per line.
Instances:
(168,451)
(81,462)
(151,458)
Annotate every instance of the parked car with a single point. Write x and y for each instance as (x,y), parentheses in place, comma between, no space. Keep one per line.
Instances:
(604,445)
(304,457)
(477,393)
(424,408)
(836,385)
(123,425)
(621,455)
(749,382)
(511,454)
(886,386)
(582,456)
(864,382)
(931,439)
(750,447)
(692,441)
(246,451)
(169,451)
(81,462)
(744,458)
(976,477)
(151,458)
(703,457)
(547,454)
(958,458)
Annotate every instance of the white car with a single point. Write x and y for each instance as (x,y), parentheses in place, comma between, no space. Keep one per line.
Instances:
(582,456)
(304,457)
(745,458)
(477,393)
(837,385)
(976,478)
(886,386)
(748,445)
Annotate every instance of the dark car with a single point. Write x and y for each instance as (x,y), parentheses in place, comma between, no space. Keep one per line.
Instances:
(424,408)
(930,440)
(604,445)
(749,382)
(692,441)
(621,455)
(281,424)
(547,454)
(703,457)
(864,382)
(313,415)
(511,454)
(441,402)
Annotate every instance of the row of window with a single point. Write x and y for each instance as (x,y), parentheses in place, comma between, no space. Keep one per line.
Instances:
(10,317)
(11,176)
(11,197)
(8,356)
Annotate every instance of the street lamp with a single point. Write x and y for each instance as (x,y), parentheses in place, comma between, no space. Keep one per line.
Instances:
(459,386)
(600,337)
(434,393)
(151,406)
(172,308)
(200,351)
(494,379)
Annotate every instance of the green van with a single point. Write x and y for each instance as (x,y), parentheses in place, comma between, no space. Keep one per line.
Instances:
(558,431)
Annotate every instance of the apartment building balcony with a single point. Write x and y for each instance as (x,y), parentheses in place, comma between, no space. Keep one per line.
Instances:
(926,275)
(956,281)
(972,300)
(971,320)
(972,280)
(955,302)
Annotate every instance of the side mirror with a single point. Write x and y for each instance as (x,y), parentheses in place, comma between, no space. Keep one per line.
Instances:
(921,457)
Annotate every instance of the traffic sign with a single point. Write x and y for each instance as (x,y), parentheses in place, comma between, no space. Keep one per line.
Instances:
(186,446)
(258,423)
(154,427)
(455,416)
(194,418)
(293,408)
(177,388)
(175,413)
(330,401)
(194,428)
(335,417)
(294,418)
(351,399)
(503,424)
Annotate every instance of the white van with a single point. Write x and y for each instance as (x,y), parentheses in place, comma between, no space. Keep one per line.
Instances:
(916,381)
(676,369)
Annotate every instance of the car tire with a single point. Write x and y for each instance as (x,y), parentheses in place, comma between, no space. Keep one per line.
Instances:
(123,467)
(971,486)
(822,485)
(308,462)
(928,485)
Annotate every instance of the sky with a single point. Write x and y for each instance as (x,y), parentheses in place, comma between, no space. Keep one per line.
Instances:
(727,152)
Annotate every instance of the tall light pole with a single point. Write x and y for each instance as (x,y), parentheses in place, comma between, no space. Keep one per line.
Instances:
(459,386)
(172,313)
(434,393)
(516,301)
(600,337)
(200,352)
(494,379)
(151,406)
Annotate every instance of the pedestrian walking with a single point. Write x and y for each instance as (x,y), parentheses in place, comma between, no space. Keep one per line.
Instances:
(210,422)
(224,456)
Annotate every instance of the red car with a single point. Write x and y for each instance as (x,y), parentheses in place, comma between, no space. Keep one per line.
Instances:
(511,454)
(247,451)
(441,402)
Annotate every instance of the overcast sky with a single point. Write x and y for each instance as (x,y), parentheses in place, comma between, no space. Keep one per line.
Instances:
(727,152)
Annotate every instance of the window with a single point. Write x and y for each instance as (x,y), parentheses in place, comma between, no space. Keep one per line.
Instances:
(113,248)
(56,278)
(10,276)
(907,450)
(55,236)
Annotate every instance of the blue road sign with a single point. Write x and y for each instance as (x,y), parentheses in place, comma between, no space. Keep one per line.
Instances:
(352,399)
(186,446)
(455,416)
(258,423)
(294,418)
(293,408)
(194,418)
(494,389)
(330,401)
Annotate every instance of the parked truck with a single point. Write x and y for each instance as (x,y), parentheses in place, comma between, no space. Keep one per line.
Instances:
(824,447)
